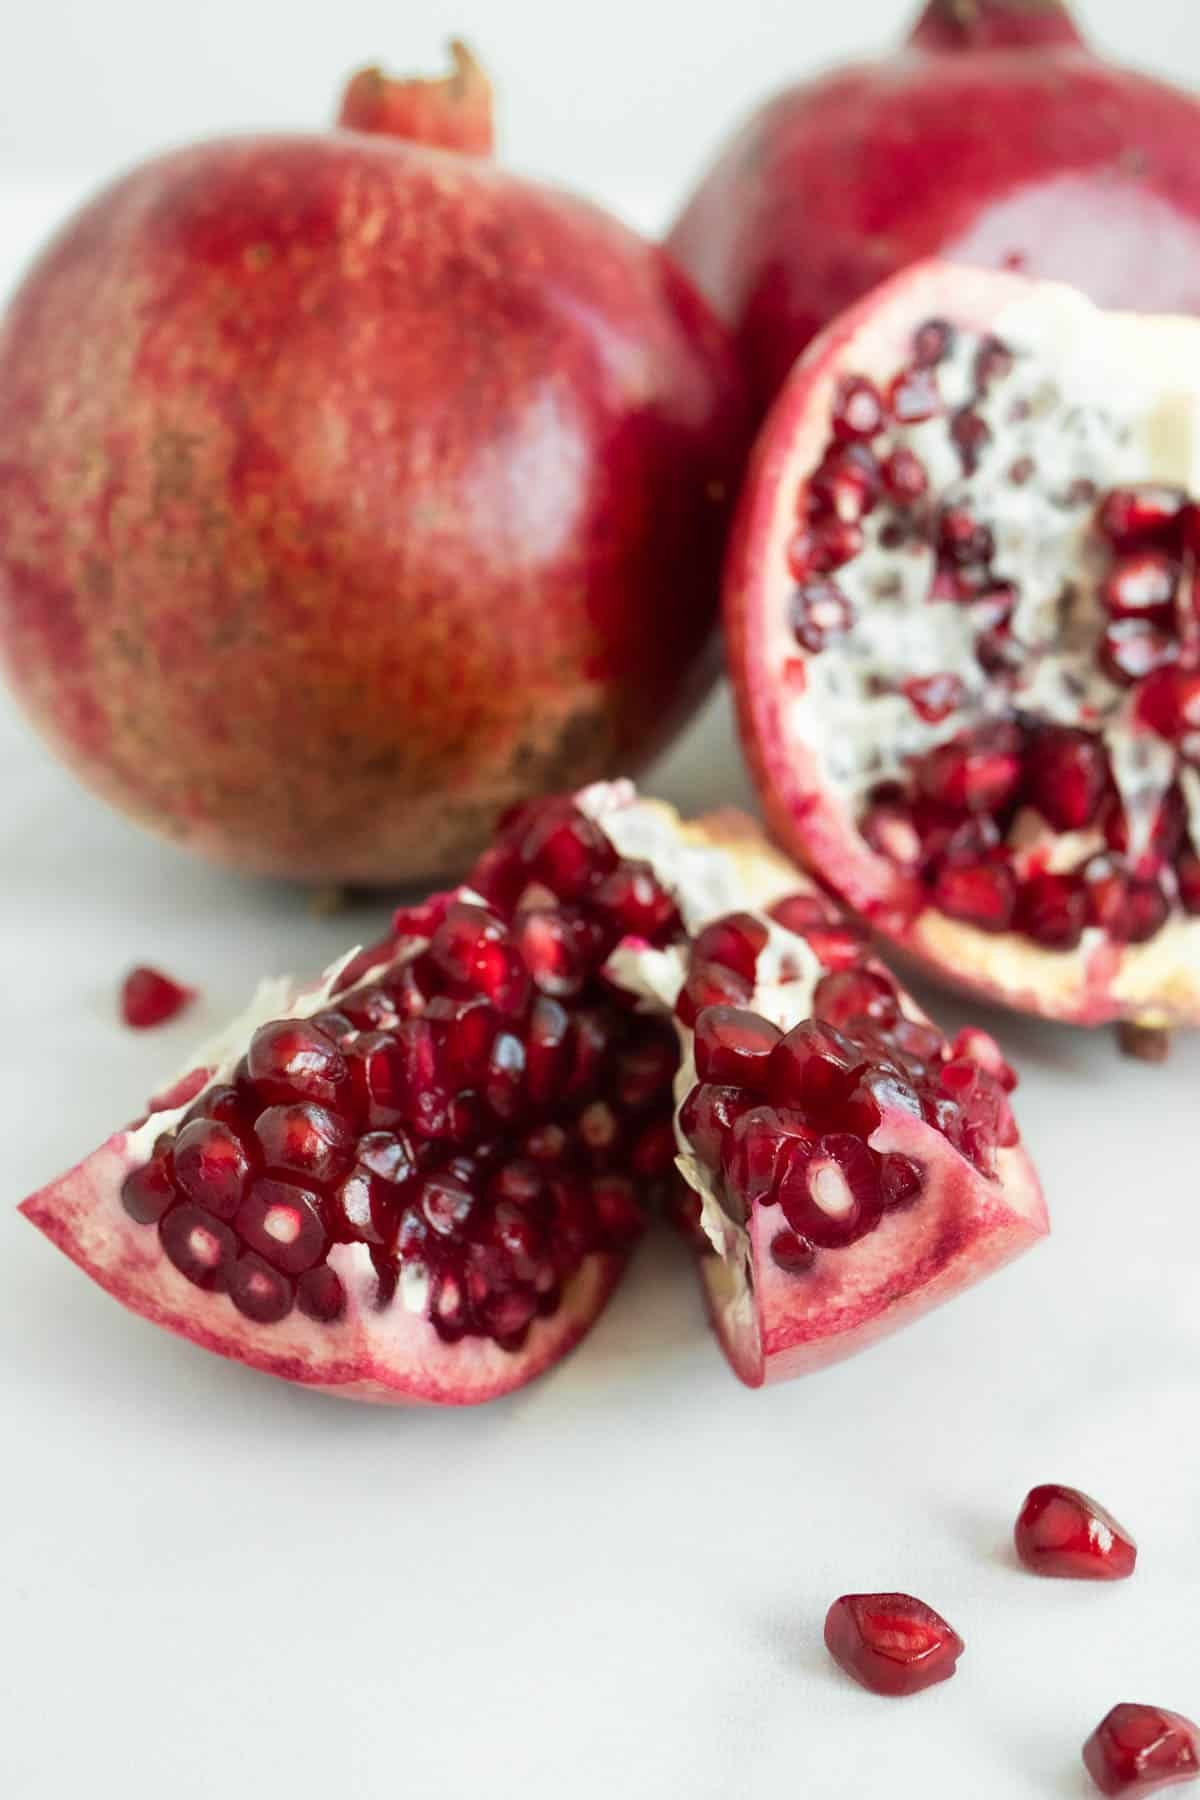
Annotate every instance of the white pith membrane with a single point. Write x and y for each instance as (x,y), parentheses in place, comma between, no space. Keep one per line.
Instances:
(964,1224)
(1098,401)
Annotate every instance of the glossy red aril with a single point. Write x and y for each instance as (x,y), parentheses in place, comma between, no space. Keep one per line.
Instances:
(1141,1749)
(149,998)
(1015,682)
(1060,1531)
(998,138)
(891,1643)
(444,590)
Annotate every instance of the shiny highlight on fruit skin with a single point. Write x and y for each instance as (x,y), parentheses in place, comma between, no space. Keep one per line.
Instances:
(339,477)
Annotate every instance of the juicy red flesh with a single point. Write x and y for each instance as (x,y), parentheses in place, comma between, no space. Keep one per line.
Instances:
(1060,1531)
(783,1119)
(1140,1749)
(891,1643)
(979,781)
(477,1104)
(149,998)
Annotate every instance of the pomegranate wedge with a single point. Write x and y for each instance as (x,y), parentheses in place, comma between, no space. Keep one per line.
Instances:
(964,623)
(420,1179)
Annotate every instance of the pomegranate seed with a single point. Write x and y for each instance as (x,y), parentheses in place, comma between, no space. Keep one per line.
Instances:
(320,1295)
(1187,869)
(1169,703)
(962,538)
(901,1180)
(1130,650)
(654,1150)
(1066,777)
(735,941)
(370,1009)
(1141,586)
(302,1139)
(830,1192)
(259,1291)
(934,697)
(970,434)
(566,852)
(1052,910)
(199,1244)
(933,342)
(283,1223)
(447,1203)
(819,611)
(734,1047)
(708,1116)
(794,1255)
(980,772)
(361,1210)
(983,894)
(800,913)
(290,1059)
(852,993)
(993,362)
(1139,1749)
(620,1219)
(710,984)
(973,1045)
(905,478)
(546,1049)
(844,487)
(878,1090)
(1132,516)
(637,903)
(146,1193)
(211,1166)
(891,1643)
(838,946)
(150,998)
(857,409)
(891,832)
(1062,1532)
(814,1066)
(755,1153)
(1146,910)
(914,396)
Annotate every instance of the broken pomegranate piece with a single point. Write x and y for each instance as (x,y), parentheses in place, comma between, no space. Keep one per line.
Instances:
(891,1643)
(150,998)
(421,1178)
(995,758)
(1140,1749)
(1060,1531)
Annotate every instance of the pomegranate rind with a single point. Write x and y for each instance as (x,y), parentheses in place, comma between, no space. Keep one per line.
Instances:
(384,1355)
(1155,984)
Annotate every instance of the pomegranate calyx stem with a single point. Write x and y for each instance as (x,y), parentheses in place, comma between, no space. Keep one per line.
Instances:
(445,112)
(996,25)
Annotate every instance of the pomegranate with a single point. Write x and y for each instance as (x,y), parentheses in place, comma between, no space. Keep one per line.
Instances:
(1060,1531)
(339,477)
(995,138)
(891,1643)
(1140,1749)
(965,638)
(150,998)
(420,1179)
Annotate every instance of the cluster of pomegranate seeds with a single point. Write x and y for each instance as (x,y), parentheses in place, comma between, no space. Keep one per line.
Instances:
(1140,1749)
(783,1119)
(891,1643)
(1060,1531)
(476,1105)
(986,773)
(149,998)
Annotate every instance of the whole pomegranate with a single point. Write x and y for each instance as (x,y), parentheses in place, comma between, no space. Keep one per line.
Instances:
(352,489)
(995,137)
(963,614)
(420,1179)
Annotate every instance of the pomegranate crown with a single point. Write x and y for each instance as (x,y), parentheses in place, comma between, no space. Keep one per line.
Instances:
(996,25)
(444,112)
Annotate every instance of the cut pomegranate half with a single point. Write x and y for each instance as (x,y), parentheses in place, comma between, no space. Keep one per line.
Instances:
(1140,1749)
(1060,1531)
(420,1179)
(966,642)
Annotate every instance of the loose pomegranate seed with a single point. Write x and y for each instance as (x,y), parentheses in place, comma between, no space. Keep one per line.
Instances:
(814,1066)
(149,998)
(736,941)
(933,342)
(212,1166)
(794,1255)
(830,1193)
(1060,1531)
(1139,1749)
(1066,777)
(857,409)
(1130,650)
(819,612)
(891,1643)
(914,396)
(905,477)
(1132,516)
(983,894)
(1052,910)
(734,1046)
(934,697)
(845,486)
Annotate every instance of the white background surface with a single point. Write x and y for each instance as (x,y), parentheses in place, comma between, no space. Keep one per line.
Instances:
(614,1583)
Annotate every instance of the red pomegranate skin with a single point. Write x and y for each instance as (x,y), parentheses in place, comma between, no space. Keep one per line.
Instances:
(352,490)
(994,137)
